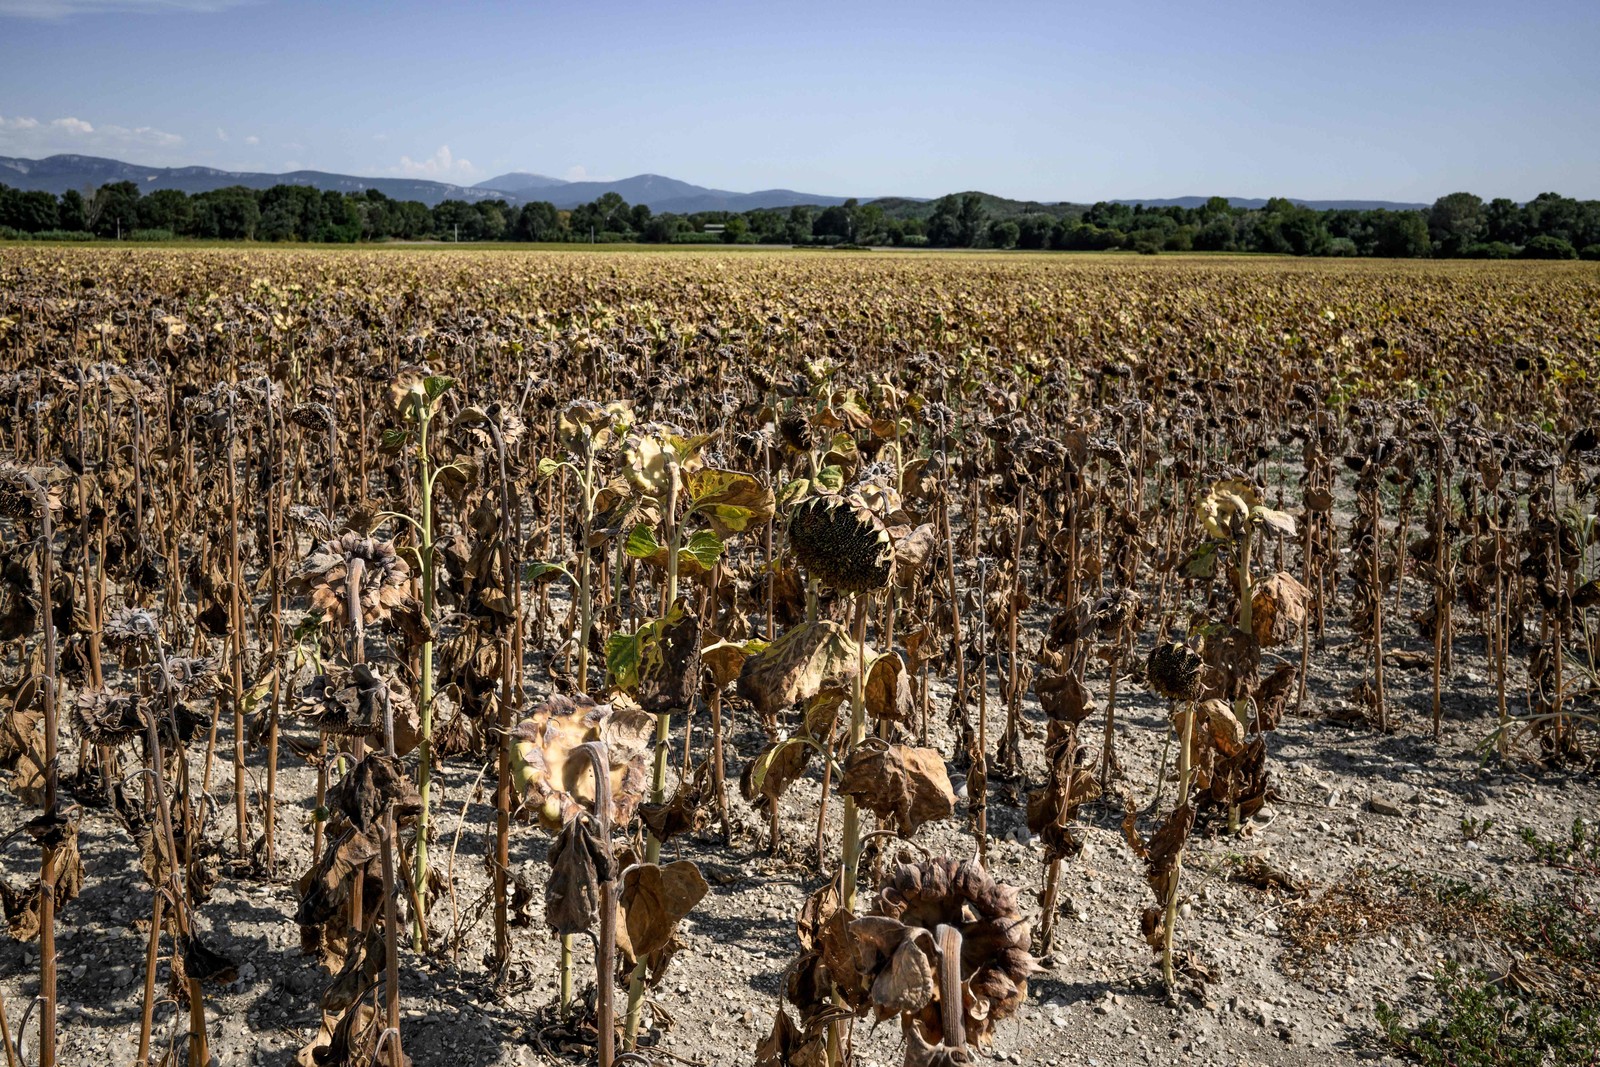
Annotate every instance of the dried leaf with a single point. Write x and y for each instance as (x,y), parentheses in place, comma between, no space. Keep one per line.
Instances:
(904,786)
(654,899)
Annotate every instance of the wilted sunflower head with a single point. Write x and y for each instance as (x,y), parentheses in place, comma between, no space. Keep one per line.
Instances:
(1116,609)
(384,578)
(129,627)
(17,500)
(795,429)
(995,937)
(1173,670)
(555,778)
(842,541)
(184,675)
(358,701)
(313,417)
(104,719)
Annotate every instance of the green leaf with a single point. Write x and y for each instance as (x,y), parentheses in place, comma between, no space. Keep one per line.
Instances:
(627,654)
(436,385)
(310,626)
(538,571)
(1202,562)
(394,440)
(831,478)
(704,547)
(624,654)
(642,543)
(548,467)
(731,500)
(794,491)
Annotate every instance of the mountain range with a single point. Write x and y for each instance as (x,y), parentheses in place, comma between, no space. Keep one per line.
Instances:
(57,174)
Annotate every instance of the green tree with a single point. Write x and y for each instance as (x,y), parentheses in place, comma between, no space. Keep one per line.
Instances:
(799,227)
(1505,221)
(31,211)
(166,209)
(231,214)
(1546,246)
(1003,233)
(114,209)
(73,212)
(1455,223)
(537,221)
(1034,230)
(1401,234)
(834,221)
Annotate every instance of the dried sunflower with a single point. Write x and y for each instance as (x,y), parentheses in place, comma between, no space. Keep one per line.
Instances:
(995,938)
(1173,670)
(841,541)
(384,578)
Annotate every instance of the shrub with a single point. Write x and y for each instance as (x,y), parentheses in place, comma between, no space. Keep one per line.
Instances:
(63,235)
(1590,252)
(150,235)
(1546,247)
(1490,250)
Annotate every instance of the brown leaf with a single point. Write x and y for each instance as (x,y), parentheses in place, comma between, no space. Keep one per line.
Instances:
(669,674)
(654,899)
(1227,732)
(888,689)
(904,786)
(1278,609)
(579,864)
(1063,697)
(795,666)
(376,782)
(906,985)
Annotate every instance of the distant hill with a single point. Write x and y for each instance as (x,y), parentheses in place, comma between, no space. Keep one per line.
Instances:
(520,181)
(1254,203)
(57,174)
(683,198)
(905,207)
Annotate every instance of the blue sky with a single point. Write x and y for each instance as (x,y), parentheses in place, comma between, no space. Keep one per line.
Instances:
(1404,99)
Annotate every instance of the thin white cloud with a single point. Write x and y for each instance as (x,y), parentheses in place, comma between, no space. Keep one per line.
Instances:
(29,136)
(442,165)
(62,9)
(222,134)
(577,173)
(252,139)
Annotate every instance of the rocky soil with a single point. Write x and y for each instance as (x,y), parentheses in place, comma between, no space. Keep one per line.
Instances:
(1348,800)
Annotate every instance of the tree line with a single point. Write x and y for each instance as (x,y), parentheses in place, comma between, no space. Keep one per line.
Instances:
(1550,226)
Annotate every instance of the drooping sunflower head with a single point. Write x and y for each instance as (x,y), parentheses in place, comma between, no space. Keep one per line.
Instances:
(842,542)
(383,580)
(1173,670)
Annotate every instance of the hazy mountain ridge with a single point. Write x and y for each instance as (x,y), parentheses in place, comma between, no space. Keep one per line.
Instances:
(58,173)
(1256,203)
